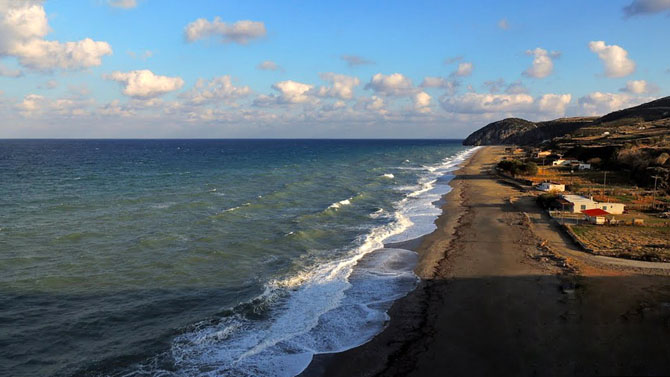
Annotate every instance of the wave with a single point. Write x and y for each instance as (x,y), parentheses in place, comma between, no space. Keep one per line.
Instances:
(328,307)
(341,203)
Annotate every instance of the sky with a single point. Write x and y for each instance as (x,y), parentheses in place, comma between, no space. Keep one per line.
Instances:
(321,69)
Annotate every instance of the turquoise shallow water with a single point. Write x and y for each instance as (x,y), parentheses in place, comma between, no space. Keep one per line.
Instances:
(204,257)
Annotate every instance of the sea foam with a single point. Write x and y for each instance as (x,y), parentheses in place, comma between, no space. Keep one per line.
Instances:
(330,307)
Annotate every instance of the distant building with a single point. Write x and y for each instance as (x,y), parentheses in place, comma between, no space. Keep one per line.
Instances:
(565,162)
(550,186)
(577,204)
(596,216)
(541,154)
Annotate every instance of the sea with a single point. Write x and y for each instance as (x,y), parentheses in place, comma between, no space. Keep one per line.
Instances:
(206,257)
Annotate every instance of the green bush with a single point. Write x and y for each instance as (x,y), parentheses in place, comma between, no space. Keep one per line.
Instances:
(516,167)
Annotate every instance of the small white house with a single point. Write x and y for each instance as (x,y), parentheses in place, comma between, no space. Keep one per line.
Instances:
(549,186)
(613,208)
(596,216)
(564,162)
(584,166)
(578,203)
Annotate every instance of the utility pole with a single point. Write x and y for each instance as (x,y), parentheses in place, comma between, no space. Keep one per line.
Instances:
(653,195)
(605,185)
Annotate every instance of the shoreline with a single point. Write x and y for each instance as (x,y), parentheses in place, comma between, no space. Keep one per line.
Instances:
(502,292)
(429,248)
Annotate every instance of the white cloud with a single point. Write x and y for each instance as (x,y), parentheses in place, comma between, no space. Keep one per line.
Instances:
(290,92)
(464,69)
(240,32)
(503,24)
(217,89)
(9,72)
(293,92)
(598,103)
(543,65)
(125,4)
(440,82)
(646,7)
(639,87)
(487,103)
(354,60)
(422,102)
(554,104)
(35,105)
(269,65)
(144,83)
(376,104)
(502,105)
(394,84)
(616,60)
(342,85)
(23,26)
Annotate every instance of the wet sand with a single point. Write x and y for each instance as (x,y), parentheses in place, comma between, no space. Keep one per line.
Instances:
(502,294)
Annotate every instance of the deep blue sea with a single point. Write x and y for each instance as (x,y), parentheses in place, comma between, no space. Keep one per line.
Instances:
(206,257)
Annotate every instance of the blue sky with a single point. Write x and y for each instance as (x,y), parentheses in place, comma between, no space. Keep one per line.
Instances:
(432,68)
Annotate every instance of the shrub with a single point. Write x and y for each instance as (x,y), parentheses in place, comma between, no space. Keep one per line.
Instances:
(516,167)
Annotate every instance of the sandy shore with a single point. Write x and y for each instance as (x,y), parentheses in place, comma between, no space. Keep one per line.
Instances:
(504,293)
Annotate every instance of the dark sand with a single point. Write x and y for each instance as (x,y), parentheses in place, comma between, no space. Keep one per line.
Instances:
(504,294)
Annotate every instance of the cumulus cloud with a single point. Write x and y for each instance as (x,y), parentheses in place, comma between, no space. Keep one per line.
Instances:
(598,103)
(440,82)
(639,87)
(144,83)
(289,92)
(548,105)
(217,89)
(503,24)
(241,32)
(23,26)
(124,4)
(354,60)
(543,64)
(376,104)
(638,7)
(395,84)
(342,86)
(553,103)
(269,65)
(35,105)
(615,59)
(422,102)
(463,69)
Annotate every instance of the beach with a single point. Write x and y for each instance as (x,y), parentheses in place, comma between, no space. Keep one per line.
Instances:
(504,292)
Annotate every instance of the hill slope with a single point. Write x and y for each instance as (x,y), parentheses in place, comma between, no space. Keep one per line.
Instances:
(522,132)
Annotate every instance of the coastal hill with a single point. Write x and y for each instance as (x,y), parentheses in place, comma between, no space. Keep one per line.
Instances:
(634,140)
(640,122)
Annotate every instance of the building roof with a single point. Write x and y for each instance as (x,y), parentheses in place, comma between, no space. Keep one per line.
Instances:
(576,198)
(595,212)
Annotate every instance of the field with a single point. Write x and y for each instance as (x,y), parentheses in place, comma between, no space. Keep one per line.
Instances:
(650,243)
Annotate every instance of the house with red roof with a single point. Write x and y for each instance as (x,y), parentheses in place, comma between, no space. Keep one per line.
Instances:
(596,216)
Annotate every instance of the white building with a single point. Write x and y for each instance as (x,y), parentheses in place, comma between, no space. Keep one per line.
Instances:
(563,162)
(577,204)
(549,186)
(584,166)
